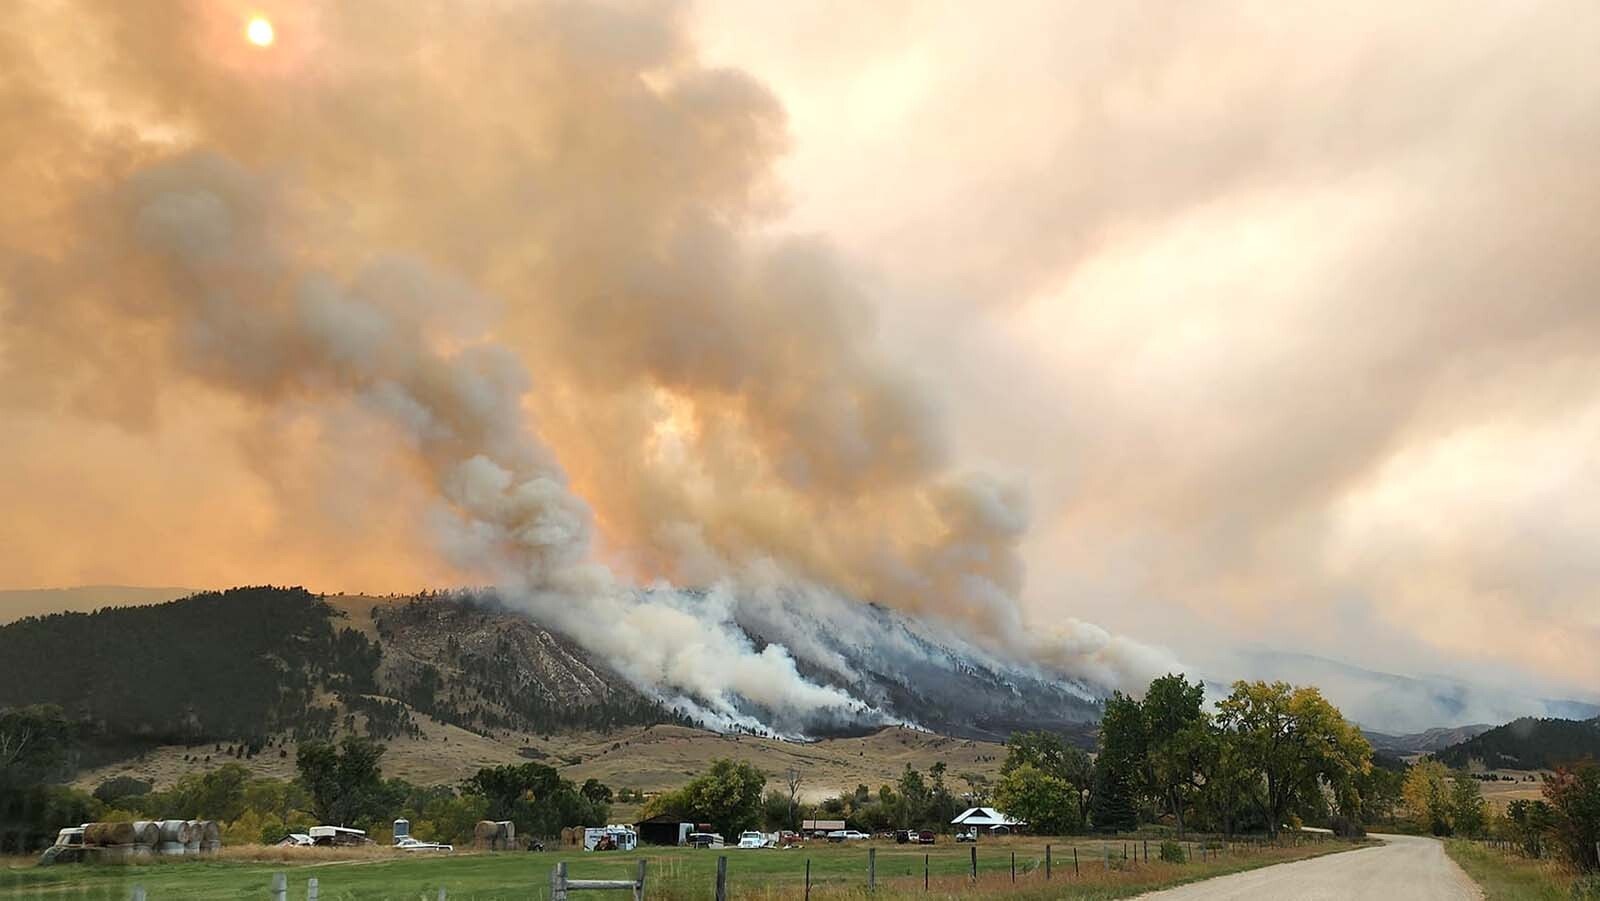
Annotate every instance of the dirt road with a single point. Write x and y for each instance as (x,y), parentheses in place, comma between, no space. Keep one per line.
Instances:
(1404,868)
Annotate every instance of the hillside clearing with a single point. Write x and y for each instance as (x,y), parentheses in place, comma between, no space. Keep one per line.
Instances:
(647,758)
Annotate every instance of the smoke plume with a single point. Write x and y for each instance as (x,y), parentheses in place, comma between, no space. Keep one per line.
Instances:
(482,286)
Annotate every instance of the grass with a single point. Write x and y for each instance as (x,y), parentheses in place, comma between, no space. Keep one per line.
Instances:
(1506,876)
(837,873)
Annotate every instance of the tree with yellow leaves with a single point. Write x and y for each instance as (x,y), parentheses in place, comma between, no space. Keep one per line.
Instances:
(1300,743)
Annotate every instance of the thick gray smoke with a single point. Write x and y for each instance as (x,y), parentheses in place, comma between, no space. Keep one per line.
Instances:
(555,187)
(250,316)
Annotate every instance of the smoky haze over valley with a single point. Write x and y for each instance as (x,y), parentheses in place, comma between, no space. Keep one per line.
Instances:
(1086,342)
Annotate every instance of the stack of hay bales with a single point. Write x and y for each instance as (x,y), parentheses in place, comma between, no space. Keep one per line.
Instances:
(492,835)
(109,835)
(124,839)
(572,836)
(175,836)
(142,838)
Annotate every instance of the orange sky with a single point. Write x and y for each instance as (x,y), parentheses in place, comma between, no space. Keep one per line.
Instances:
(1275,325)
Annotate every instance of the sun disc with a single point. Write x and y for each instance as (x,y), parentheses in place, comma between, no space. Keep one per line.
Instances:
(259,31)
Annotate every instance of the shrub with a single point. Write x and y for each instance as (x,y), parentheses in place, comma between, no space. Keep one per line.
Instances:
(1346,827)
(1172,852)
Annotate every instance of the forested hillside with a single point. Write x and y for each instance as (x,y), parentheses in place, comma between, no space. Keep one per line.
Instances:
(248,664)
(242,663)
(1529,744)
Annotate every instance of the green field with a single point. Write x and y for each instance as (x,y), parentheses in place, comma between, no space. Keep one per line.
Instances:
(836,872)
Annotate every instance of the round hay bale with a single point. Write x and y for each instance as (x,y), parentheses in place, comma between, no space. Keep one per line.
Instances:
(508,830)
(197,834)
(115,833)
(147,832)
(210,836)
(176,832)
(172,848)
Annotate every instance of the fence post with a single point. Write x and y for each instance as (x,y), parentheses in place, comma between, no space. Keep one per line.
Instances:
(441,893)
(1105,850)
(1013,866)
(872,869)
(924,872)
(1075,860)
(722,878)
(1046,862)
(313,891)
(638,885)
(808,879)
(1146,850)
(974,863)
(280,887)
(138,893)
(558,882)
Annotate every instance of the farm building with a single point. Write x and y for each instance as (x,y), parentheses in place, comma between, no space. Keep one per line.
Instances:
(663,829)
(987,819)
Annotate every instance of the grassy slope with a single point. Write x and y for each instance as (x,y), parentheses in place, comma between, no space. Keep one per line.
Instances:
(1508,877)
(650,759)
(837,872)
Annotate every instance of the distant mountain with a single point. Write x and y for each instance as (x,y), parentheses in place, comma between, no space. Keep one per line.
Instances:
(1528,744)
(1397,705)
(1425,742)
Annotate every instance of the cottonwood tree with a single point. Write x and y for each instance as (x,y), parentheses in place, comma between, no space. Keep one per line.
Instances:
(345,782)
(792,780)
(1231,782)
(1297,740)
(1426,793)
(727,795)
(1051,756)
(1046,802)
(1178,740)
(33,743)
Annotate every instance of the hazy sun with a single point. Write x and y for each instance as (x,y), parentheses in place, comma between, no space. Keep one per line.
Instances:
(259,31)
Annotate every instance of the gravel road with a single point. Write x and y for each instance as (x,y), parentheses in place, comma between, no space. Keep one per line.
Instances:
(1404,868)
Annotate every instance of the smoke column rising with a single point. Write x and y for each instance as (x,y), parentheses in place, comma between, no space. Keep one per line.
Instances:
(318,231)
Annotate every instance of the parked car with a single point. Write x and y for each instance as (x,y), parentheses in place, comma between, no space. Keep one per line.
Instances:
(705,840)
(967,835)
(412,844)
(752,840)
(902,836)
(925,837)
